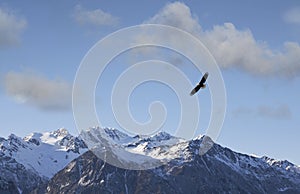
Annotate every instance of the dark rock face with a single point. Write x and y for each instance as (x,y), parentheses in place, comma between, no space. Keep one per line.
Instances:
(220,170)
(7,187)
(92,175)
(14,177)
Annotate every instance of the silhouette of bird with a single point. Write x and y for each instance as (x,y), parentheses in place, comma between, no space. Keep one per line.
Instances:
(201,84)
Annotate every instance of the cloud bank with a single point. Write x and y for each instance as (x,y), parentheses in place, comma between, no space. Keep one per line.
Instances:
(232,47)
(95,17)
(38,91)
(11,27)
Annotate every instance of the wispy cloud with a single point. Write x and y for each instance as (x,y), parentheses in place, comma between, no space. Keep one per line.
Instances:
(95,17)
(38,91)
(292,15)
(278,112)
(11,27)
(232,47)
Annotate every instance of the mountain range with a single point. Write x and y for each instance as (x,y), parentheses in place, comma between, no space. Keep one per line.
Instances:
(58,162)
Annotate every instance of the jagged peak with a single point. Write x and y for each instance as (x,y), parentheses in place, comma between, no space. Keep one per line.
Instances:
(198,137)
(161,136)
(34,138)
(285,164)
(61,132)
(13,136)
(33,135)
(114,133)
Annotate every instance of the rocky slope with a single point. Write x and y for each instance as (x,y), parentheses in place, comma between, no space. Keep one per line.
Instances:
(14,177)
(26,163)
(220,170)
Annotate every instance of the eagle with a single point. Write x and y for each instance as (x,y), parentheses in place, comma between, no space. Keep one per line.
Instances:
(201,84)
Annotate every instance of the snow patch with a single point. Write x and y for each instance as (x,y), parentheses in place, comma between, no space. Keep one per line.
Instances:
(42,153)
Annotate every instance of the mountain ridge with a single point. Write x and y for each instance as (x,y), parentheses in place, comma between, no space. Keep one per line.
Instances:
(178,158)
(220,170)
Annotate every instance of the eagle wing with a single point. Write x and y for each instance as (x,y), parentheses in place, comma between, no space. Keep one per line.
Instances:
(203,80)
(200,84)
(195,90)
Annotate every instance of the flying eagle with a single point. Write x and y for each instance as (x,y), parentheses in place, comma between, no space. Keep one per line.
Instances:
(200,85)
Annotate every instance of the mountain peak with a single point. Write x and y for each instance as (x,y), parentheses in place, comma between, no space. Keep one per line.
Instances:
(61,132)
(12,136)
(162,135)
(34,138)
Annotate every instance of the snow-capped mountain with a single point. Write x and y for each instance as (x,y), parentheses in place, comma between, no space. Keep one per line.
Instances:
(37,157)
(29,162)
(43,153)
(220,170)
(137,152)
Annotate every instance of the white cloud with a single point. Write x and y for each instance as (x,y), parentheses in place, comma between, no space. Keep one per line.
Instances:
(232,47)
(11,27)
(292,16)
(235,48)
(95,17)
(179,15)
(38,91)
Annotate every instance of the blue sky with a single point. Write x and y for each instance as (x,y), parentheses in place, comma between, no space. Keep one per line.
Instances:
(255,43)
